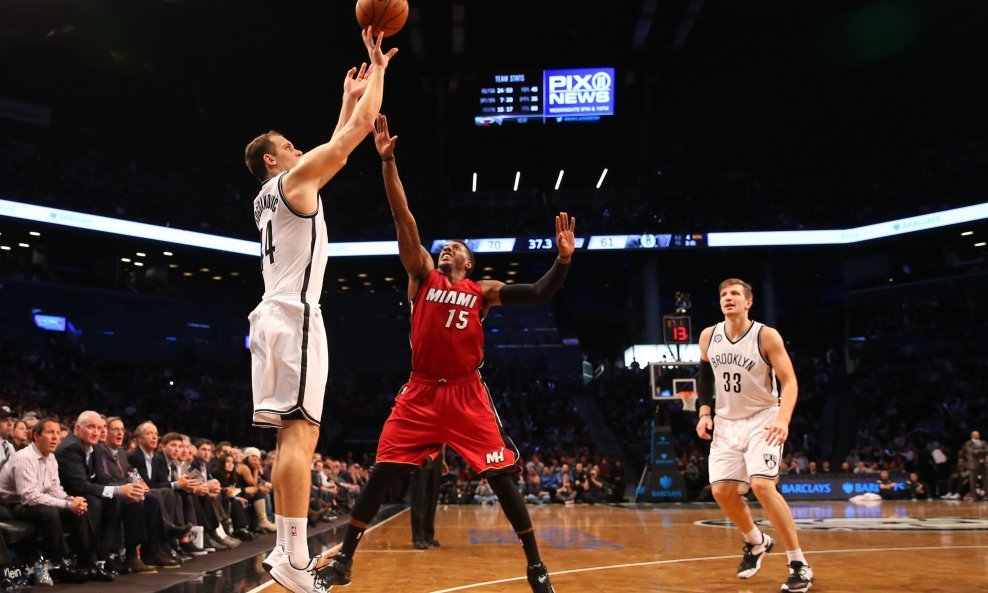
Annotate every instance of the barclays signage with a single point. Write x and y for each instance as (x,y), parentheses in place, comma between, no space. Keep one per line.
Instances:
(840,487)
(581,91)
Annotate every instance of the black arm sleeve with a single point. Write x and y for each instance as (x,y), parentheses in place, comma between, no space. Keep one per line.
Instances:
(540,292)
(705,394)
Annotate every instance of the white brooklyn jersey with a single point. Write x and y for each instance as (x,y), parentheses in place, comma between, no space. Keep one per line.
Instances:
(745,380)
(293,245)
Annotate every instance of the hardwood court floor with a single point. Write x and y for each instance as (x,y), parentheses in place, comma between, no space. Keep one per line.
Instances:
(894,546)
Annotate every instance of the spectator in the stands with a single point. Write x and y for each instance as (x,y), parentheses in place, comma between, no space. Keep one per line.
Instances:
(29,484)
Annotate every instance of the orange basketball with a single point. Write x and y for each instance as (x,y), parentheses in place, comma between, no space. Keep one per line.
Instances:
(383,15)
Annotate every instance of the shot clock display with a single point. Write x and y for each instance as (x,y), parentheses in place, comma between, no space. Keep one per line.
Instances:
(677,329)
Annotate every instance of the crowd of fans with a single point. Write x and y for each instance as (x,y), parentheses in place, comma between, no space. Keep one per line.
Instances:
(167,490)
(553,476)
(130,501)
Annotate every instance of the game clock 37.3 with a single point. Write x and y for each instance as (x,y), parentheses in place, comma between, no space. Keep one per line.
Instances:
(677,329)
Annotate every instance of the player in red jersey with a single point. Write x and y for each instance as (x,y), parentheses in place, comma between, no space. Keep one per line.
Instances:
(445,400)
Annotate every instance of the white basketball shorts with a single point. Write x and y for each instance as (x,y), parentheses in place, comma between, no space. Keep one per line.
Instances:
(289,361)
(739,450)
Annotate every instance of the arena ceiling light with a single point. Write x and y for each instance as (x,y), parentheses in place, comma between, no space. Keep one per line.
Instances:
(559,180)
(600,181)
(473,184)
(517,179)
(145,231)
(880,230)
(967,233)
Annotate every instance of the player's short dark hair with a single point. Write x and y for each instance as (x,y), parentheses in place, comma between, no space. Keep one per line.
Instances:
(255,151)
(473,259)
(732,281)
(40,426)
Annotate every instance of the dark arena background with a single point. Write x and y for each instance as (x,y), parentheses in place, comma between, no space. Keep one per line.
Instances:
(834,155)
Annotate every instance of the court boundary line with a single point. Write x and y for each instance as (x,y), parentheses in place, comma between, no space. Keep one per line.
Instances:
(704,559)
(333,549)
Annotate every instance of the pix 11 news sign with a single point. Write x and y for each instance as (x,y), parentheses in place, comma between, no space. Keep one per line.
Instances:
(580,91)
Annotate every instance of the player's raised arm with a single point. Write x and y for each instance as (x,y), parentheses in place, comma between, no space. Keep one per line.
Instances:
(498,293)
(414,256)
(319,165)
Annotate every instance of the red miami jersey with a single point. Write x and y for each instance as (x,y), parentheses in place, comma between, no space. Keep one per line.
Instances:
(447,333)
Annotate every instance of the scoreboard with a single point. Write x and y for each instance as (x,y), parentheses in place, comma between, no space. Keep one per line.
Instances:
(591,243)
(513,97)
(577,94)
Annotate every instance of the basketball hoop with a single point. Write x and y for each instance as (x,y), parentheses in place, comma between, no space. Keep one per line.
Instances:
(689,400)
(686,389)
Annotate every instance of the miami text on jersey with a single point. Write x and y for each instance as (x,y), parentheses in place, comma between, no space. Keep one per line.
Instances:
(464,299)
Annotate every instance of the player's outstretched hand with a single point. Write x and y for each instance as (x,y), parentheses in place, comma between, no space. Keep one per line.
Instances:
(565,240)
(383,140)
(704,427)
(356,81)
(378,58)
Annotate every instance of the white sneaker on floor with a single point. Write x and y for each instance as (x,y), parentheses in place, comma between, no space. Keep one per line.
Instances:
(301,580)
(276,557)
(751,562)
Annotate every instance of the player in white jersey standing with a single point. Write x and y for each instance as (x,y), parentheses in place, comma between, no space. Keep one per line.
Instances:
(740,360)
(287,336)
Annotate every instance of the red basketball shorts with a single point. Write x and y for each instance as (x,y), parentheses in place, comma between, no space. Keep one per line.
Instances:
(458,412)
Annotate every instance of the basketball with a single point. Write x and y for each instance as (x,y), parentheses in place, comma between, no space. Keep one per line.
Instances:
(383,15)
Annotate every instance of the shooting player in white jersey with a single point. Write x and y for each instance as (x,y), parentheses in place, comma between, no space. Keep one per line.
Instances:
(287,336)
(740,360)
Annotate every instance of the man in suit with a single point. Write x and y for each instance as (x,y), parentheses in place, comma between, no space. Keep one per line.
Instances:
(153,468)
(165,473)
(143,522)
(424,498)
(95,532)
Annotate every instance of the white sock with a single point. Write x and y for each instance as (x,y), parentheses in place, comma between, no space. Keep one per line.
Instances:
(795,555)
(296,542)
(279,522)
(754,536)
(220,533)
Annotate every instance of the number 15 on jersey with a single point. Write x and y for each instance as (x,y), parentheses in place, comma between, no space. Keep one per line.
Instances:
(460,319)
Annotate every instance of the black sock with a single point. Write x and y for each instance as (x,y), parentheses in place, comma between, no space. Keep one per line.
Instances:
(515,510)
(531,548)
(369,502)
(350,540)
